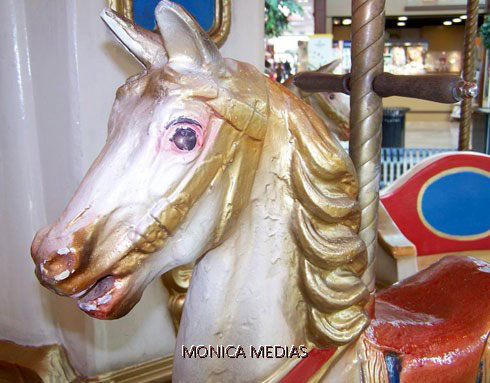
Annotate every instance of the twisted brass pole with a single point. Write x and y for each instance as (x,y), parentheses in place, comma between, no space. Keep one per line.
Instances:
(468,72)
(368,24)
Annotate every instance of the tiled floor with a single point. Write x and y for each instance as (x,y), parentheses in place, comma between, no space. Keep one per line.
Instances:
(431,134)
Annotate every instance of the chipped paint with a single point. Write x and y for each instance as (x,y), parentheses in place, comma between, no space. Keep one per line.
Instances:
(103,300)
(64,251)
(65,274)
(87,306)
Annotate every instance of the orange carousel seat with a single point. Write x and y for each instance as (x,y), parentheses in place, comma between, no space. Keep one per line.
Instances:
(439,207)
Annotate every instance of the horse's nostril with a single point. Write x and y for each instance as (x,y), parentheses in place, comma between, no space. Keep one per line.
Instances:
(60,265)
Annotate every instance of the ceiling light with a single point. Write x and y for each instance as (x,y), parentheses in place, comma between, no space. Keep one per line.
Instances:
(336,21)
(447,23)
(402,18)
(401,24)
(457,20)
(463,17)
(347,22)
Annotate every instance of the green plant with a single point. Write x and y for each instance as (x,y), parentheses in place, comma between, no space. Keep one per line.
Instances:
(485,32)
(277,13)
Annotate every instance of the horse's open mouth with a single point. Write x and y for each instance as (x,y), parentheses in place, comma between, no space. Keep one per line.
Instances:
(107,298)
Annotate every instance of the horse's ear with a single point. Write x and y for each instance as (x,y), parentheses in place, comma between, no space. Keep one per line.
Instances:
(183,38)
(145,46)
(330,67)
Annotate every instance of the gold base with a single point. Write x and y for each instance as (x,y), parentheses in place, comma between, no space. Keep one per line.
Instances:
(50,364)
(26,364)
(155,371)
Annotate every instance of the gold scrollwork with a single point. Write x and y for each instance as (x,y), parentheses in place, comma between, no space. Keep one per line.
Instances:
(177,283)
(218,32)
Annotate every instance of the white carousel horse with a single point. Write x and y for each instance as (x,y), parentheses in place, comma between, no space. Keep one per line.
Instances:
(209,161)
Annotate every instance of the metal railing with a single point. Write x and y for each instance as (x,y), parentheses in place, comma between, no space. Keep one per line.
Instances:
(396,161)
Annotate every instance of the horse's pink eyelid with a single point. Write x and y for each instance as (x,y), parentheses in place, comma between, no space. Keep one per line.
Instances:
(183,120)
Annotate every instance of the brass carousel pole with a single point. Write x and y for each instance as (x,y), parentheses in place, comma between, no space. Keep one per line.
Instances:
(468,72)
(368,25)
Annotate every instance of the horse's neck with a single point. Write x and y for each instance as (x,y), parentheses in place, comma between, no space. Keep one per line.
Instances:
(245,291)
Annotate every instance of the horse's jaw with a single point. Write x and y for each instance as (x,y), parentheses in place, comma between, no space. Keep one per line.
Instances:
(110,298)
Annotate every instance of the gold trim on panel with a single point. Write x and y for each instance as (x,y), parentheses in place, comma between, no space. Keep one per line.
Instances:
(218,32)
(221,34)
(124,7)
(425,261)
(217,17)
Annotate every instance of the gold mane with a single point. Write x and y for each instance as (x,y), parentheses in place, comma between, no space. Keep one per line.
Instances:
(326,220)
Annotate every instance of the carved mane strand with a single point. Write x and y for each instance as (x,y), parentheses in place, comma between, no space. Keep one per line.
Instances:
(326,220)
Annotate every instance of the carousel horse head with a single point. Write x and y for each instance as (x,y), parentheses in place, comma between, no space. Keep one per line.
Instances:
(179,135)
(332,107)
(187,139)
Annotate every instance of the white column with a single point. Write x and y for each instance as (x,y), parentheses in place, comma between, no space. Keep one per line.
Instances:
(246,39)
(59,70)
(25,315)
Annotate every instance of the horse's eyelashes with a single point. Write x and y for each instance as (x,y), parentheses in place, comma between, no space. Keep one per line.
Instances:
(184,138)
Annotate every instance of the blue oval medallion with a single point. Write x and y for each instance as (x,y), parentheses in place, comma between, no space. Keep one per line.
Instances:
(458,204)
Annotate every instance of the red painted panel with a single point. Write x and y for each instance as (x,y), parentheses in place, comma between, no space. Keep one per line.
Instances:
(305,369)
(400,201)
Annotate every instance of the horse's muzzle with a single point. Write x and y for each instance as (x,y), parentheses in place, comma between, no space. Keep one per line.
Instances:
(56,258)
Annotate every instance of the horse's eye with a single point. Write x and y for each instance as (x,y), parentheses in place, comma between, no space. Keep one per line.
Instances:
(184,138)
(331,96)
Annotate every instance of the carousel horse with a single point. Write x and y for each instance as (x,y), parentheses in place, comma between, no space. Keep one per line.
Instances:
(332,107)
(207,160)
